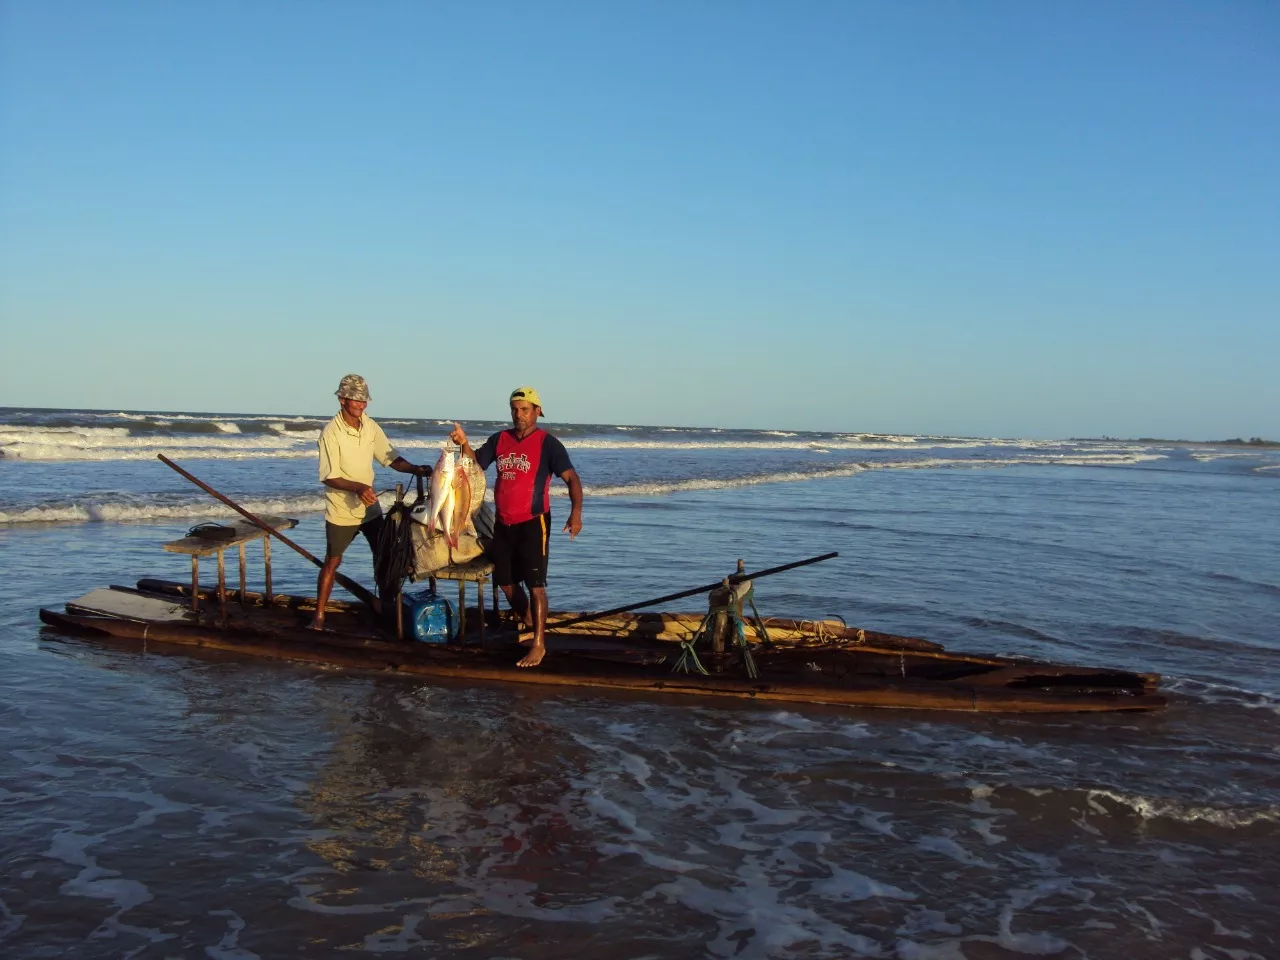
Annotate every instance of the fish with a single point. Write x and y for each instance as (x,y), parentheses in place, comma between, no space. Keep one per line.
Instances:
(440,503)
(459,511)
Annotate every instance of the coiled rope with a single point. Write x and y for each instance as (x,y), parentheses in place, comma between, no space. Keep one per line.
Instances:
(822,631)
(393,559)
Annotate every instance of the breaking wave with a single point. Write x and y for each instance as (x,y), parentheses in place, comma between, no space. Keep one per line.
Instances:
(658,488)
(119,512)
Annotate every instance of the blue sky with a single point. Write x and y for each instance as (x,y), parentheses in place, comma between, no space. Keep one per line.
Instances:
(1002,218)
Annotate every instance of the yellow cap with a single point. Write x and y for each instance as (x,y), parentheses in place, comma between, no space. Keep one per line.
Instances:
(527,394)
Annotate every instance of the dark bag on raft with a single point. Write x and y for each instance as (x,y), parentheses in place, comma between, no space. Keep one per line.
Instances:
(213,531)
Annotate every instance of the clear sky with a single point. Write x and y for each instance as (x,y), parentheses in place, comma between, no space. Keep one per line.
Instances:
(979,218)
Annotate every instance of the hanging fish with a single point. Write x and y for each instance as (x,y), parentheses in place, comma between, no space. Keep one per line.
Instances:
(440,503)
(459,511)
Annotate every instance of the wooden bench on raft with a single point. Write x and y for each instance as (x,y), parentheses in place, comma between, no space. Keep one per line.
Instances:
(477,571)
(244,532)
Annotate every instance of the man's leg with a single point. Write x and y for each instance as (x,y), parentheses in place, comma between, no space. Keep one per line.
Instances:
(502,554)
(518,602)
(324,586)
(538,648)
(532,568)
(336,540)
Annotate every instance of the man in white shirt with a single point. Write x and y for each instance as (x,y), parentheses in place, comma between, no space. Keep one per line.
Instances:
(349,444)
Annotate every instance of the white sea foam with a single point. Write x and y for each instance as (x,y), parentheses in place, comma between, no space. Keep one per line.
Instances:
(1219,693)
(94,881)
(1152,808)
(228,947)
(116,443)
(196,417)
(121,512)
(595,443)
(1209,456)
(25,433)
(9,921)
(658,488)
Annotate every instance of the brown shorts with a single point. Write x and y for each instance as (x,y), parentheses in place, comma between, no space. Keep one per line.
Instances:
(338,538)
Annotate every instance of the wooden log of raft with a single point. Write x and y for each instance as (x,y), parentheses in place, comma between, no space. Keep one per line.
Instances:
(858,679)
(891,653)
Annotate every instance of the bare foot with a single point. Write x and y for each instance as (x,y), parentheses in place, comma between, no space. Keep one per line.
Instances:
(317,625)
(535,656)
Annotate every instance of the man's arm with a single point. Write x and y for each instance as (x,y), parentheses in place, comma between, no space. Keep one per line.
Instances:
(573,526)
(404,466)
(367,496)
(482,459)
(388,456)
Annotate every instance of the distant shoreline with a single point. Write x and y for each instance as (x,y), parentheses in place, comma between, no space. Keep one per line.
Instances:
(1253,443)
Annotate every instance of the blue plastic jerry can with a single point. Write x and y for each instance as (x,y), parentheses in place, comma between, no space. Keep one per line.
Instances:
(428,618)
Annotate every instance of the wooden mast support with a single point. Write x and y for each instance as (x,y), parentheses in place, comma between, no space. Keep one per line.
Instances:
(222,584)
(195,583)
(269,598)
(400,586)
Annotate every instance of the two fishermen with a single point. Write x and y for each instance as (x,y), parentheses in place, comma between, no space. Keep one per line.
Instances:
(527,457)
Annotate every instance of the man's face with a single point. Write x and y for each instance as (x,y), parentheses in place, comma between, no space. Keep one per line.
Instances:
(353,408)
(523,414)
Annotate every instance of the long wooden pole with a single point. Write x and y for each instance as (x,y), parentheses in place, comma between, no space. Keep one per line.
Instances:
(347,582)
(733,578)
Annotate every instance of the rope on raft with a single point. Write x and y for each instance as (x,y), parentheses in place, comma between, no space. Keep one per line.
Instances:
(393,559)
(733,610)
(822,630)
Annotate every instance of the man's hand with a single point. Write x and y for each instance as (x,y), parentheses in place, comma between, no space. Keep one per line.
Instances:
(367,496)
(573,526)
(458,436)
(422,470)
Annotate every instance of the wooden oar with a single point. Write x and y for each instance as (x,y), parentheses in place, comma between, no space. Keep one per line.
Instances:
(347,582)
(733,578)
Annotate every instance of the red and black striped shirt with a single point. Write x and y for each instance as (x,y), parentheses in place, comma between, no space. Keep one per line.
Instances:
(522,490)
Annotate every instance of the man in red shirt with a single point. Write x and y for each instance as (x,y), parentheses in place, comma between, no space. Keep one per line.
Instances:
(526,456)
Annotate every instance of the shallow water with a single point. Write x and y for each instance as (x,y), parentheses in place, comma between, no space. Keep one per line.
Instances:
(159,805)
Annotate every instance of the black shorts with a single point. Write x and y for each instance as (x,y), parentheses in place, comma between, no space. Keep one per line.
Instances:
(338,538)
(519,552)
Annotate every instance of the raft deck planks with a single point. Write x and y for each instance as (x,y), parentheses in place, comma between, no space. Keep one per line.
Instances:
(835,675)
